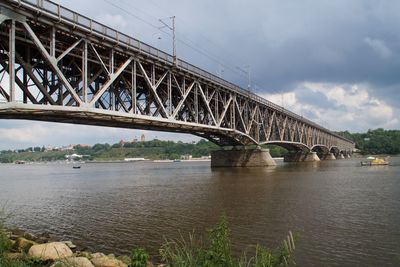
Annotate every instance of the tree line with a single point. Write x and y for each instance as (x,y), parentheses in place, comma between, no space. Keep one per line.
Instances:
(378,141)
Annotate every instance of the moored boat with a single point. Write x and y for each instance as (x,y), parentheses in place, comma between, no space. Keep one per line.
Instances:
(375,162)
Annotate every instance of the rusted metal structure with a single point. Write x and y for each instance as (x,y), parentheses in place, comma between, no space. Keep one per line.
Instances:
(61,66)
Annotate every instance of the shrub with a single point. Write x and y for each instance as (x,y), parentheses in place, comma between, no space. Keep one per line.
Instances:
(217,252)
(139,258)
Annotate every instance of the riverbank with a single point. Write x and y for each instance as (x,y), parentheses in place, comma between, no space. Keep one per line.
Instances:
(23,249)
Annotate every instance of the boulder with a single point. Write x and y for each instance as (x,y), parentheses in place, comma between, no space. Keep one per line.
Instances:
(50,251)
(97,254)
(23,244)
(125,259)
(73,261)
(29,236)
(69,244)
(84,254)
(108,262)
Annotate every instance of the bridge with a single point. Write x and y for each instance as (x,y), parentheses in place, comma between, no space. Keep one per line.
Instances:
(60,66)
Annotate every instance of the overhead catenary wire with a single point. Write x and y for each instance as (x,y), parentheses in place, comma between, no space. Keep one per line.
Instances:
(188,42)
(193,45)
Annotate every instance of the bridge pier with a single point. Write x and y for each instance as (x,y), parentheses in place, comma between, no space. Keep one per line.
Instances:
(341,156)
(301,156)
(242,158)
(329,156)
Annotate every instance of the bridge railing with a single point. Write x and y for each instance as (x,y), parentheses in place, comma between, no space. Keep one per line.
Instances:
(94,27)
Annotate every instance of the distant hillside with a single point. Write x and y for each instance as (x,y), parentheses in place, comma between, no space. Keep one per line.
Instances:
(377,141)
(155,149)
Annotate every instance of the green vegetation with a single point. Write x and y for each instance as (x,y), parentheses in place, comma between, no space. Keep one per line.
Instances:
(11,156)
(377,141)
(217,251)
(6,245)
(139,258)
(155,149)
(276,151)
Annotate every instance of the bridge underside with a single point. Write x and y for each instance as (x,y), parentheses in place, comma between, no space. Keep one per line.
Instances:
(116,119)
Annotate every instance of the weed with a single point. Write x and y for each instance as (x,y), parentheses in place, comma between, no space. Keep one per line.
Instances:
(217,252)
(139,258)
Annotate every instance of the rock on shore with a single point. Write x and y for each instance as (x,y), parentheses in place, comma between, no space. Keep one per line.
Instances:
(74,261)
(106,261)
(50,251)
(26,246)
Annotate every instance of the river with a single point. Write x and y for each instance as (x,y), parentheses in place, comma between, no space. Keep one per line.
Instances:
(343,214)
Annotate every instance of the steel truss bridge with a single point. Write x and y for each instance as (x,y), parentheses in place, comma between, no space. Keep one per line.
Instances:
(57,65)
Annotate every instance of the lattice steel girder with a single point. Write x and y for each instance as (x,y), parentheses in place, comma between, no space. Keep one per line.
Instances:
(80,74)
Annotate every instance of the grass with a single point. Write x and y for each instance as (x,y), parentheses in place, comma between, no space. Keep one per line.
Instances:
(139,258)
(217,251)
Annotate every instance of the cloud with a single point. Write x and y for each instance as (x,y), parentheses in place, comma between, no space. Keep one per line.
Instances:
(379,47)
(343,106)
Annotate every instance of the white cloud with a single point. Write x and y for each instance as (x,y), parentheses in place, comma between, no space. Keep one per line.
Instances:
(353,108)
(379,47)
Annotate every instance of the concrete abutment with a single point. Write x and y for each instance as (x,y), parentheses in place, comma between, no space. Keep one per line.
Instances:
(242,158)
(301,156)
(329,156)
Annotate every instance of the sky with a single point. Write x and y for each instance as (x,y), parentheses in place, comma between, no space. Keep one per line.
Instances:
(334,62)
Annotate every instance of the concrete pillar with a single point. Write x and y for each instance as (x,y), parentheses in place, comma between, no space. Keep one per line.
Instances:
(311,156)
(329,156)
(341,156)
(242,158)
(301,156)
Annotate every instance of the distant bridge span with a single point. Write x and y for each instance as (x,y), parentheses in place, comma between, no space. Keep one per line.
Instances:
(61,66)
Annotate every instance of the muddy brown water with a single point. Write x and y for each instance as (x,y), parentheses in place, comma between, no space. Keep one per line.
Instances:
(344,214)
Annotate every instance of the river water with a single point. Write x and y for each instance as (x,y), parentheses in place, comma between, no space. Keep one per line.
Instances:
(344,214)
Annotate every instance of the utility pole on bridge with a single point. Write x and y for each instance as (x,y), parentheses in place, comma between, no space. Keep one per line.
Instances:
(173,34)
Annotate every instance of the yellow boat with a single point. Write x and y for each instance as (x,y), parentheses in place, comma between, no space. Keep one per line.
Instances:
(375,162)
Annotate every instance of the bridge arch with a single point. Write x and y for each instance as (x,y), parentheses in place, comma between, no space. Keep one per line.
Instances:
(320,149)
(290,146)
(335,150)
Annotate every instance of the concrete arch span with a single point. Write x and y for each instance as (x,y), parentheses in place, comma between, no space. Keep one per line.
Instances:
(345,154)
(297,152)
(335,150)
(290,146)
(320,149)
(323,152)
